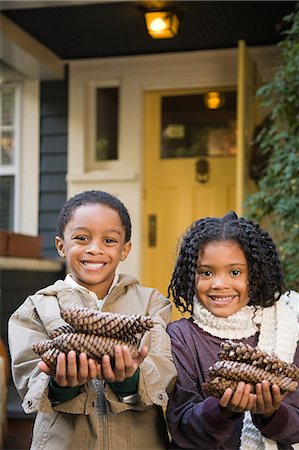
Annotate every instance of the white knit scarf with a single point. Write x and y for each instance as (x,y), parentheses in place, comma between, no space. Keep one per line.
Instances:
(279,333)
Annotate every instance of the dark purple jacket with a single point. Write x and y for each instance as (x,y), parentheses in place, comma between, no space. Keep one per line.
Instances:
(195,420)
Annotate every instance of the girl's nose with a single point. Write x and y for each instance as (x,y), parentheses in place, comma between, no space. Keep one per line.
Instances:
(218,282)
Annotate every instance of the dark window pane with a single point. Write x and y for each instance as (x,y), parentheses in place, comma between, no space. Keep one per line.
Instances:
(106,124)
(6,202)
(190,129)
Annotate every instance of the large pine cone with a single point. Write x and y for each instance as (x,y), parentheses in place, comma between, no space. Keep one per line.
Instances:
(241,362)
(94,346)
(95,333)
(119,326)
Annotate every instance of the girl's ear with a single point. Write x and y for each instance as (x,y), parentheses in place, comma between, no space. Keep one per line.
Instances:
(59,243)
(126,250)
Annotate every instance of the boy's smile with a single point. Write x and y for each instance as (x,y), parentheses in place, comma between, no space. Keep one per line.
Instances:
(93,245)
(221,282)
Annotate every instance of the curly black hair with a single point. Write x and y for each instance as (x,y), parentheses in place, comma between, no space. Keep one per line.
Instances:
(265,279)
(93,197)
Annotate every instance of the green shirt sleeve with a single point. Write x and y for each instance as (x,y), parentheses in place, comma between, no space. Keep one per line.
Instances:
(128,386)
(58,394)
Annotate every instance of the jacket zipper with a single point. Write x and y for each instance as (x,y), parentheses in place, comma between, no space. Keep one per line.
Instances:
(103,412)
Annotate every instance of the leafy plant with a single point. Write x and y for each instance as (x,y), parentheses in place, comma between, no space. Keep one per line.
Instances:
(276,204)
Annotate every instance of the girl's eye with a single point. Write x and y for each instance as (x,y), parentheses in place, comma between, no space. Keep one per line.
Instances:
(205,273)
(235,272)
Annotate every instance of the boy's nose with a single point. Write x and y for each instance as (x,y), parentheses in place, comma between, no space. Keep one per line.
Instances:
(95,248)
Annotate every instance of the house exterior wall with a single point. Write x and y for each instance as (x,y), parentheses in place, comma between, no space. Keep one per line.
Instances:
(53,159)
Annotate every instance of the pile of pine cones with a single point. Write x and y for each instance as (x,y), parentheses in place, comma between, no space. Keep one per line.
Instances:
(94,332)
(241,362)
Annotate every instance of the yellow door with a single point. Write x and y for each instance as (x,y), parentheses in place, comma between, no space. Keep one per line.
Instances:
(174,197)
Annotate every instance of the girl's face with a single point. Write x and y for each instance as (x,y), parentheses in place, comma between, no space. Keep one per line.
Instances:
(93,245)
(221,281)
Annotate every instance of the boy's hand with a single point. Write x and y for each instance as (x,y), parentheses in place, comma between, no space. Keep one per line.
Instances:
(68,373)
(124,365)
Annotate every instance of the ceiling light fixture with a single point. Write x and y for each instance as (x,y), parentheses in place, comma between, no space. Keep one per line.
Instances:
(214,99)
(161,24)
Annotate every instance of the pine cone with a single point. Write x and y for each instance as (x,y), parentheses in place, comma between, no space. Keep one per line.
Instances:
(250,374)
(241,362)
(217,385)
(60,330)
(42,346)
(50,357)
(93,345)
(238,351)
(94,333)
(120,326)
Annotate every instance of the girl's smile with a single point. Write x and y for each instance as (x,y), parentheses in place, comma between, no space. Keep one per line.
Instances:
(221,282)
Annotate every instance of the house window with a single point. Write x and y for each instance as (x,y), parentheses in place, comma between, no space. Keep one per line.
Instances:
(9,154)
(106,124)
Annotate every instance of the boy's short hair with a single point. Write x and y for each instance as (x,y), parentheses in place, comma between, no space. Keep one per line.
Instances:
(93,197)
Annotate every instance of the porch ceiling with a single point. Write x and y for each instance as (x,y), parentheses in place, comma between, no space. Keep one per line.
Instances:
(94,29)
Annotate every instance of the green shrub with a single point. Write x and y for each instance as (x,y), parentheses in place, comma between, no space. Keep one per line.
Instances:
(276,204)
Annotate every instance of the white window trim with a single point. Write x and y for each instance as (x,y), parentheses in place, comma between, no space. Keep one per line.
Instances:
(29,158)
(13,168)
(26,163)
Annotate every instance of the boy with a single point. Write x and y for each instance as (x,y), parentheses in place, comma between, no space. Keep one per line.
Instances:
(83,405)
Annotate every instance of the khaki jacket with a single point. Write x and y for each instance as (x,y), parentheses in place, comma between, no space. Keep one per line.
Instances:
(95,419)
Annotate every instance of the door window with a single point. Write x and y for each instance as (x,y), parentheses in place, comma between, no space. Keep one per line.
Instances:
(196,125)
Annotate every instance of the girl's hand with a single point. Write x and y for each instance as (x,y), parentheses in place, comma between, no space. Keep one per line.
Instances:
(237,401)
(68,372)
(268,399)
(124,365)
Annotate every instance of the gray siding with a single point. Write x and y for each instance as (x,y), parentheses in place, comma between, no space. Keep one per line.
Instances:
(16,285)
(53,159)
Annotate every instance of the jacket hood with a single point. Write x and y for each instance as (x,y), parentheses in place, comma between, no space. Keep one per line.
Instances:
(60,285)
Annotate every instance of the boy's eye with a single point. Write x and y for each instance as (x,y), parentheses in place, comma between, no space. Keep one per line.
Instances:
(110,241)
(81,238)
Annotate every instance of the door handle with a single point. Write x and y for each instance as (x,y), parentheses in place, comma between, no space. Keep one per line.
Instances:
(152,230)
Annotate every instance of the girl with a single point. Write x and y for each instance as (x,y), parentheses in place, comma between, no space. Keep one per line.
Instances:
(85,405)
(229,277)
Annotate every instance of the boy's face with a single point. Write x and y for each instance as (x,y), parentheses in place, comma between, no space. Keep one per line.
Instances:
(93,245)
(221,282)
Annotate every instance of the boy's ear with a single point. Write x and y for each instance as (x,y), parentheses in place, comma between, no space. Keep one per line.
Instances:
(59,243)
(126,250)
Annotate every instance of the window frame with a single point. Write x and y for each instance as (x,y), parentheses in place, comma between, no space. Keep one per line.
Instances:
(26,204)
(14,168)
(91,163)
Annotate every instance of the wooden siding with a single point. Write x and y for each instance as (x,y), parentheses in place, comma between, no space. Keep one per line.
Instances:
(53,159)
